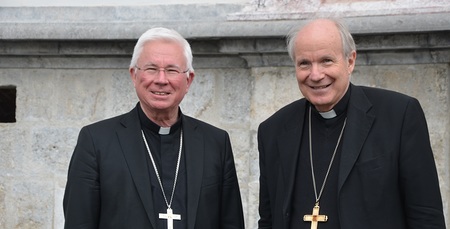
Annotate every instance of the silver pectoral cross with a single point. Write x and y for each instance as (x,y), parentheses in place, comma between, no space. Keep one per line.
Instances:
(169,216)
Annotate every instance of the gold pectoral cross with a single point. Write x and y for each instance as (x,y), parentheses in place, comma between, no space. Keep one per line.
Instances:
(315,218)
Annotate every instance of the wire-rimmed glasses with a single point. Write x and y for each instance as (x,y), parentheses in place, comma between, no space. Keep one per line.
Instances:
(154,70)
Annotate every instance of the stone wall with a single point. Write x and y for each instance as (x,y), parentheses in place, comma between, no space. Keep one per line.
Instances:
(73,72)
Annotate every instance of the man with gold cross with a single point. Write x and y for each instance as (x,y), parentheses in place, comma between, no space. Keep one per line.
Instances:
(344,156)
(154,167)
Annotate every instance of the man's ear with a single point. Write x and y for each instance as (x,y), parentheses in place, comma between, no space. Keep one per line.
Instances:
(189,79)
(133,75)
(351,61)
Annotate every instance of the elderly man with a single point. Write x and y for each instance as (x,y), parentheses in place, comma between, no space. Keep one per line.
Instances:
(154,167)
(345,156)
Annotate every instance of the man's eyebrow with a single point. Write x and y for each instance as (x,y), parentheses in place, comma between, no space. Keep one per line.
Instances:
(300,60)
(155,65)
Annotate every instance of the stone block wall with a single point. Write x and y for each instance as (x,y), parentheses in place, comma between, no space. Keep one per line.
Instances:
(56,96)
(72,73)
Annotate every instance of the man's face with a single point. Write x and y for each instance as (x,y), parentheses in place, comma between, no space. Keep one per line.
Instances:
(322,70)
(161,93)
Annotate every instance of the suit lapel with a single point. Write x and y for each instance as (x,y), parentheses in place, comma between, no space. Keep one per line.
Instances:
(133,149)
(194,151)
(289,147)
(359,122)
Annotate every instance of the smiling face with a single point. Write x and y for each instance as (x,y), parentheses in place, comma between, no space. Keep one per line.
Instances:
(322,70)
(160,94)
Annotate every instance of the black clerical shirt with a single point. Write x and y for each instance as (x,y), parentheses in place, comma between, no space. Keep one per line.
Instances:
(164,149)
(325,134)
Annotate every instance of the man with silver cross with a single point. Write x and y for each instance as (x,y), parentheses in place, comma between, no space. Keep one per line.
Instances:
(154,167)
(344,156)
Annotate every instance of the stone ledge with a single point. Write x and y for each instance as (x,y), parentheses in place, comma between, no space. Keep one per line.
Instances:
(220,62)
(219,46)
(192,21)
(387,49)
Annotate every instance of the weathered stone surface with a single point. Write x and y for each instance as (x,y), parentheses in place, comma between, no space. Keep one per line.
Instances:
(201,94)
(51,149)
(301,9)
(273,89)
(29,203)
(258,18)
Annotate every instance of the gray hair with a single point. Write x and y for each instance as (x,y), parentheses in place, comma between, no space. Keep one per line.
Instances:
(348,44)
(160,33)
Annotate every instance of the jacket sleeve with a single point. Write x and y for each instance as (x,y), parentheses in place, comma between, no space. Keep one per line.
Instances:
(81,202)
(232,213)
(265,209)
(418,176)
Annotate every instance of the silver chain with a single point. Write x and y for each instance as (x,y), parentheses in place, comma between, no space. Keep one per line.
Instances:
(168,203)
(331,162)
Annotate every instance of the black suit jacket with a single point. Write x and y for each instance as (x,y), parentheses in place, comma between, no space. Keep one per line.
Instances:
(387,176)
(109,185)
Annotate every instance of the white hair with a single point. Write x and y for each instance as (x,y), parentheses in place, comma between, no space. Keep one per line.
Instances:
(160,33)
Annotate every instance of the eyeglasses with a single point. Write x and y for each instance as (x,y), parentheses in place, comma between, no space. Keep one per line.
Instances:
(154,71)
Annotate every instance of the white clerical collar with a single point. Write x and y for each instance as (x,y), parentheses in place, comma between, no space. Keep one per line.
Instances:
(328,114)
(164,130)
